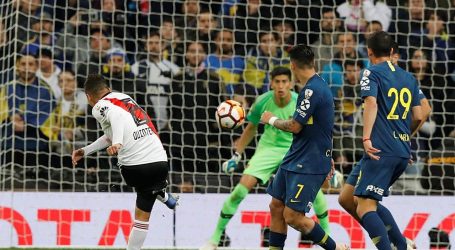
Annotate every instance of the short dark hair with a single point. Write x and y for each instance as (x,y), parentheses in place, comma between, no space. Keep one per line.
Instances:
(94,84)
(380,43)
(152,33)
(302,55)
(353,62)
(45,52)
(280,70)
(267,32)
(395,47)
(374,22)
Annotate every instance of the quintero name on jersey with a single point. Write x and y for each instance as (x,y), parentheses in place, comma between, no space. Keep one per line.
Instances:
(141,133)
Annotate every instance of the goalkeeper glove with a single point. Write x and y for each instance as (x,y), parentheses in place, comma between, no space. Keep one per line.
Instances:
(230,165)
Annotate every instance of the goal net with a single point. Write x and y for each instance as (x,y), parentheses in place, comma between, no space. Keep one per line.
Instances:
(180,59)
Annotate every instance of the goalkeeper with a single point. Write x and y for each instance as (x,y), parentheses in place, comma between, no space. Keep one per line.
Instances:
(270,151)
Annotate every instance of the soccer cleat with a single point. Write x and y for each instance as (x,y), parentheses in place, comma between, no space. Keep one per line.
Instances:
(342,246)
(170,200)
(208,246)
(230,165)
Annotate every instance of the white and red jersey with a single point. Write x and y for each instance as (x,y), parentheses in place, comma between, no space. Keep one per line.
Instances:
(124,122)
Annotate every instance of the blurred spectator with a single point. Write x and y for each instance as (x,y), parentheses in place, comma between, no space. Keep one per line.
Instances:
(293,13)
(228,66)
(247,18)
(333,71)
(286,34)
(117,72)
(323,48)
(115,21)
(188,18)
(196,94)
(348,119)
(263,59)
(435,39)
(372,27)
(357,13)
(202,29)
(100,43)
(30,103)
(73,45)
(432,86)
(27,10)
(158,74)
(173,46)
(6,53)
(67,117)
(409,20)
(439,176)
(49,72)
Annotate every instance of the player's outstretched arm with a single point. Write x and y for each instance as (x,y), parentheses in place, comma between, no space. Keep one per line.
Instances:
(246,138)
(290,125)
(426,111)
(369,117)
(417,118)
(95,146)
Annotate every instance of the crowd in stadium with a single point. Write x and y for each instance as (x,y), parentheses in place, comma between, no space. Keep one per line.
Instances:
(180,59)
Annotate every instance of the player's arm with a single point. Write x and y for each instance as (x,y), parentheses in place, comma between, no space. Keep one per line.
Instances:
(247,136)
(101,143)
(426,111)
(116,119)
(289,125)
(417,114)
(369,91)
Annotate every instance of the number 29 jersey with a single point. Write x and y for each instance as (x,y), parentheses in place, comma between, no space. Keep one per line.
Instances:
(124,122)
(396,92)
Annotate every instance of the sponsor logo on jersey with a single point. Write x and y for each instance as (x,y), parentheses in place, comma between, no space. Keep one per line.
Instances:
(375,189)
(366,73)
(305,104)
(365,81)
(103,111)
(308,93)
(302,114)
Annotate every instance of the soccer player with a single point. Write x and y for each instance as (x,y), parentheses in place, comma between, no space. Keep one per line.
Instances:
(129,133)
(388,93)
(346,198)
(270,151)
(309,159)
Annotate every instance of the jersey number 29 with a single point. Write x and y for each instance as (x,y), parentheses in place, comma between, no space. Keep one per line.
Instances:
(404,97)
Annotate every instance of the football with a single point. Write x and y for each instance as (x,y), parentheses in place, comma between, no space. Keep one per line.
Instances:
(230,114)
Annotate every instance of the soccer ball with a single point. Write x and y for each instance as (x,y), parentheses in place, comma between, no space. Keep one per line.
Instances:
(230,114)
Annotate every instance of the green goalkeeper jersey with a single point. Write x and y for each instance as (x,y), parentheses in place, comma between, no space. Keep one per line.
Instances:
(273,137)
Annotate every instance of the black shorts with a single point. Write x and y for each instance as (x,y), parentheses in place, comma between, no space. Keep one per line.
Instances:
(146,176)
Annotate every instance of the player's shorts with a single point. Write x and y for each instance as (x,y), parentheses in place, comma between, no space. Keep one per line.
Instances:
(297,191)
(376,177)
(354,175)
(148,179)
(265,162)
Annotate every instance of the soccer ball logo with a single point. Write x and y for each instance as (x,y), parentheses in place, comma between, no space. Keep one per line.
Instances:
(305,104)
(230,115)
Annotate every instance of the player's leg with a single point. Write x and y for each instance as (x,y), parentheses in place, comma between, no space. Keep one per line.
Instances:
(321,211)
(230,205)
(300,192)
(346,197)
(374,179)
(278,227)
(144,205)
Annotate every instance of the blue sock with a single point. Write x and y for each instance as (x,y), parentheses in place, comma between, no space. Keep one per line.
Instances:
(318,236)
(376,229)
(393,231)
(276,240)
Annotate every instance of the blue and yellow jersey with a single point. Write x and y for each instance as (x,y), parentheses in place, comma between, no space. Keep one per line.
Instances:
(229,70)
(396,92)
(311,148)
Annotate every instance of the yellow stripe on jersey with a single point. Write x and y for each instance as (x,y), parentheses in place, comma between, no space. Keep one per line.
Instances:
(391,66)
(310,121)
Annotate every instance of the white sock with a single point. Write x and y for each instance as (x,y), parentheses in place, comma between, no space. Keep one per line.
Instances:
(137,235)
(163,199)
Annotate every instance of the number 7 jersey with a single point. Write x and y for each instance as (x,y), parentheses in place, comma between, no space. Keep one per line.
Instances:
(396,92)
(124,122)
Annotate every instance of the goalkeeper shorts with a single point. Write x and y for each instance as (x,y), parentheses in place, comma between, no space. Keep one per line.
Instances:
(148,179)
(265,162)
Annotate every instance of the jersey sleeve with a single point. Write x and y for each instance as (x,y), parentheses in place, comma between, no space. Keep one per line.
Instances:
(369,84)
(307,102)
(254,116)
(110,115)
(416,95)
(421,95)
